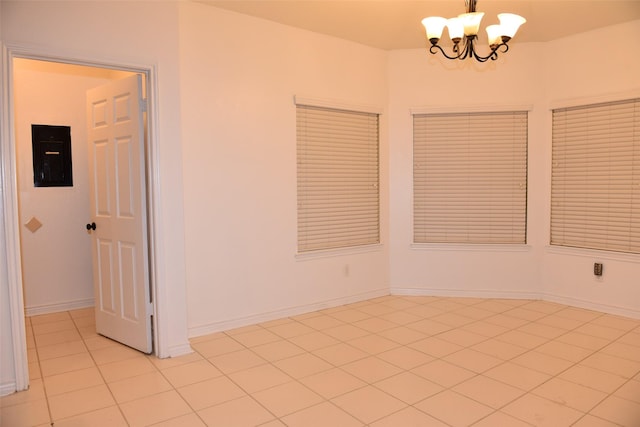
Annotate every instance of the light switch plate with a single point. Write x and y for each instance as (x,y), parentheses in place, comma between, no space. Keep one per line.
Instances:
(597,269)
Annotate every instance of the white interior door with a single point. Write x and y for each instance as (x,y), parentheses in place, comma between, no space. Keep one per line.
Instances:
(118,226)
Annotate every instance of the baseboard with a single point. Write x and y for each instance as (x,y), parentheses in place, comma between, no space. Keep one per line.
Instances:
(180,350)
(8,388)
(570,301)
(226,325)
(35,310)
(590,305)
(465,293)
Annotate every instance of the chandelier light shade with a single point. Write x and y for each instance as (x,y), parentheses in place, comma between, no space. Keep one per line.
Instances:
(463,30)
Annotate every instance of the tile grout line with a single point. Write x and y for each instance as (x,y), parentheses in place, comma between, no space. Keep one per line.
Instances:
(44,386)
(505,361)
(104,380)
(547,339)
(444,307)
(247,393)
(592,352)
(95,365)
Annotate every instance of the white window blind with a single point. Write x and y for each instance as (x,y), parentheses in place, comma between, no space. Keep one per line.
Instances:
(338,178)
(470,178)
(595,183)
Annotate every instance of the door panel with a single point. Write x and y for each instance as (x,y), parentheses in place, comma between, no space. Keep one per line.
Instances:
(130,297)
(106,295)
(124,177)
(118,208)
(101,177)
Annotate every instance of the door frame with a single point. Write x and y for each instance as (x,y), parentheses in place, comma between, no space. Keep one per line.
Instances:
(9,189)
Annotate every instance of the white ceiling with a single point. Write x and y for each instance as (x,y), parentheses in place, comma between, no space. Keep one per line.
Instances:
(395,24)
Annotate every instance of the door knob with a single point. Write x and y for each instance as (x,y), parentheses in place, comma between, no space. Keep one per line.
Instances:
(91,226)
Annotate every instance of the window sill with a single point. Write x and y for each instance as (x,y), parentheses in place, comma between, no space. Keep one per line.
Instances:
(327,253)
(593,253)
(456,247)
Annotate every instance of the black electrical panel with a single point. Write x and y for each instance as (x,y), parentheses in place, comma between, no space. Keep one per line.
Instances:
(51,156)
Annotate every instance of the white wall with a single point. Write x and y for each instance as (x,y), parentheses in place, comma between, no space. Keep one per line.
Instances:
(239,78)
(139,34)
(591,67)
(56,258)
(419,80)
(537,75)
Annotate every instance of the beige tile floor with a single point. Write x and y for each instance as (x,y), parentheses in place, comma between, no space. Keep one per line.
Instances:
(387,362)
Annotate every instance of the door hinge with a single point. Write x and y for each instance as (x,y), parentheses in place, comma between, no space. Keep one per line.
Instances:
(150,309)
(143,105)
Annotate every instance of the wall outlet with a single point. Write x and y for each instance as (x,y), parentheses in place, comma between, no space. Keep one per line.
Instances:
(597,269)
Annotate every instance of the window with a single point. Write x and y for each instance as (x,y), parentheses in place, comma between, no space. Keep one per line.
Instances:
(595,181)
(338,178)
(470,178)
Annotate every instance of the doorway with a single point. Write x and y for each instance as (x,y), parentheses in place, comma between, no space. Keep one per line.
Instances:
(55,247)
(22,300)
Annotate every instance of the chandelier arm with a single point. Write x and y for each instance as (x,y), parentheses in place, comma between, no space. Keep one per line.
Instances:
(494,53)
(431,49)
(471,52)
(492,56)
(506,47)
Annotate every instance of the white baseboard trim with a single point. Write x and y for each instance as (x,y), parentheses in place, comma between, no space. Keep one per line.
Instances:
(590,305)
(35,310)
(465,293)
(8,388)
(560,299)
(226,325)
(180,350)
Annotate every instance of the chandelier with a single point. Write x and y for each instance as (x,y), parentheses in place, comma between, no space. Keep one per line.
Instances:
(465,28)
